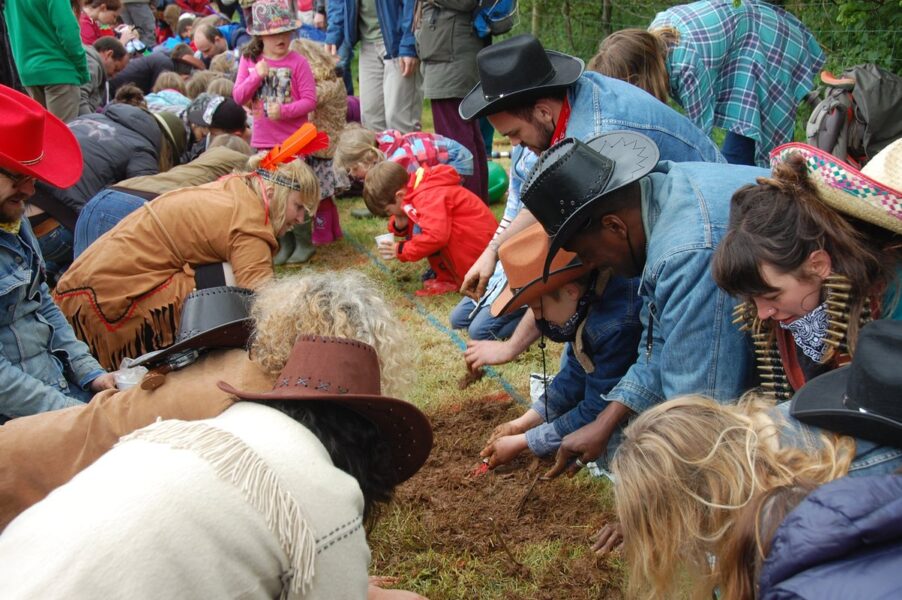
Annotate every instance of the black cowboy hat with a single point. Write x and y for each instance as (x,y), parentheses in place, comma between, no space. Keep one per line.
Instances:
(863,399)
(571,177)
(346,372)
(512,71)
(217,317)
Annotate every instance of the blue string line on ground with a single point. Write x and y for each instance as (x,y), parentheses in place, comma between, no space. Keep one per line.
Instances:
(430,318)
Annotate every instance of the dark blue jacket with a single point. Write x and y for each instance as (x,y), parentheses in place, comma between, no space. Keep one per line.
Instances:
(843,541)
(395,19)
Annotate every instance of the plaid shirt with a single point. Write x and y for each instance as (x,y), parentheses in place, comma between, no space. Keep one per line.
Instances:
(744,69)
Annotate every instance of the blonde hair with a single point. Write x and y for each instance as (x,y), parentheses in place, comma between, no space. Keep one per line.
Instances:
(382,182)
(638,57)
(687,467)
(221,86)
(224,63)
(199,82)
(295,171)
(169,80)
(345,304)
(357,146)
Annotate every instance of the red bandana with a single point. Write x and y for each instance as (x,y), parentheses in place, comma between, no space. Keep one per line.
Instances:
(561,129)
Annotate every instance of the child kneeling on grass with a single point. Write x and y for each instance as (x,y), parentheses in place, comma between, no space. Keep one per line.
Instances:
(432,217)
(594,311)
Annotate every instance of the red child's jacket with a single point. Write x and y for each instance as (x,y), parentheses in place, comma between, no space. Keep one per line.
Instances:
(455,224)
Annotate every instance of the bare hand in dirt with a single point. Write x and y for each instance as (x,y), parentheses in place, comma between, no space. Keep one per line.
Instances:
(262,68)
(478,276)
(509,428)
(482,353)
(607,538)
(577,448)
(469,378)
(504,449)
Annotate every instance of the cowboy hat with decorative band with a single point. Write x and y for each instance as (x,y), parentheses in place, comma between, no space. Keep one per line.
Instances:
(269,17)
(872,194)
(346,372)
(35,143)
(571,177)
(217,317)
(515,70)
(861,399)
(523,257)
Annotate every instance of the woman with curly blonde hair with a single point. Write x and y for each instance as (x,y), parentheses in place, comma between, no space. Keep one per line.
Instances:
(40,453)
(687,467)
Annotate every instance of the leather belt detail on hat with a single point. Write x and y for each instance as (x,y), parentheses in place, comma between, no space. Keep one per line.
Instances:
(46,226)
(33,161)
(551,74)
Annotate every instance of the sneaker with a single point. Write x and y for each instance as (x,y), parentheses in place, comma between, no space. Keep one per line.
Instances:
(434,287)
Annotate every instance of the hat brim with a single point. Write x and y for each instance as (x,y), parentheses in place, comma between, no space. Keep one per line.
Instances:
(821,402)
(403,426)
(294,25)
(845,188)
(567,70)
(507,301)
(233,334)
(61,161)
(634,156)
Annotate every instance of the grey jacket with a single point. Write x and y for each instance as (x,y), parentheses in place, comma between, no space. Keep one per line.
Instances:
(447,47)
(94,93)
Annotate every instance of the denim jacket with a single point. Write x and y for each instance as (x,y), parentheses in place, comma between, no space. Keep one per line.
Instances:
(689,343)
(395,20)
(610,334)
(39,354)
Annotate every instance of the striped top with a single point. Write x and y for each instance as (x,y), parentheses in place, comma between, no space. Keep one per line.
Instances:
(742,68)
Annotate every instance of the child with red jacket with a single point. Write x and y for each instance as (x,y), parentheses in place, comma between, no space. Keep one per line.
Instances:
(432,217)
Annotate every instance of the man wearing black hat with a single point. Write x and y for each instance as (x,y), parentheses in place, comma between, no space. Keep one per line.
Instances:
(210,115)
(612,203)
(537,97)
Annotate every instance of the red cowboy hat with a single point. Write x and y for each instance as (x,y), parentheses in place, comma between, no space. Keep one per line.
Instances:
(34,142)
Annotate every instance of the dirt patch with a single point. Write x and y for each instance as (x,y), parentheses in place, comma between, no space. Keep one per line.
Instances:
(499,515)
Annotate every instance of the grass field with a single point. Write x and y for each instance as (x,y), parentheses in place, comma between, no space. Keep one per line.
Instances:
(450,534)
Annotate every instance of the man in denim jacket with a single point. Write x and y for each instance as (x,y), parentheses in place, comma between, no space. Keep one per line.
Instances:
(42,366)
(536,97)
(612,203)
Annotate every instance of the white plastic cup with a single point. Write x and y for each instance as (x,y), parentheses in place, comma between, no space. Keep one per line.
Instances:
(130,377)
(385,238)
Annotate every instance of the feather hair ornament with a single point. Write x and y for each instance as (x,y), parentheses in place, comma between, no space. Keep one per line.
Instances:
(306,140)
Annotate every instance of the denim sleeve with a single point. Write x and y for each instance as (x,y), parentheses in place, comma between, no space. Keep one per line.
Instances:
(693,347)
(408,43)
(83,366)
(335,22)
(614,345)
(22,395)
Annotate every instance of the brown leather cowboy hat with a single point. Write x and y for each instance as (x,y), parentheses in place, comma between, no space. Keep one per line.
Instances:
(523,257)
(33,142)
(513,70)
(347,372)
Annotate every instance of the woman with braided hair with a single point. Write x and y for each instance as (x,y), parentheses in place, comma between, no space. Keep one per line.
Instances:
(816,251)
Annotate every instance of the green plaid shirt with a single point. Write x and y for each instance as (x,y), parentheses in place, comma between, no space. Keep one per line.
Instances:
(744,69)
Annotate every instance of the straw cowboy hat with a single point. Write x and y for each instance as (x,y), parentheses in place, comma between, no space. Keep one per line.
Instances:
(523,257)
(515,70)
(864,398)
(33,142)
(331,369)
(572,177)
(872,194)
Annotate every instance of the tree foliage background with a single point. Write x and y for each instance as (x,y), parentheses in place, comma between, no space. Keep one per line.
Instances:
(851,31)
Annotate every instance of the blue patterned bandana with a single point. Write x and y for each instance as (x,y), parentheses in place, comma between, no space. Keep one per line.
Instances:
(809,332)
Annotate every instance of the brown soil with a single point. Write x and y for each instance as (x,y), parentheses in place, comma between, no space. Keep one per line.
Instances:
(494,515)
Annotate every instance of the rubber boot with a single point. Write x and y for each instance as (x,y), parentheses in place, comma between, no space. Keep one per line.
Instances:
(303,245)
(286,247)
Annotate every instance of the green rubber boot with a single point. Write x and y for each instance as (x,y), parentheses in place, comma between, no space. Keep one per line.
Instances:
(286,247)
(303,244)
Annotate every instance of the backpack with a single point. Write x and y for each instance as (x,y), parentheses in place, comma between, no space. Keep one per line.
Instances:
(859,115)
(494,17)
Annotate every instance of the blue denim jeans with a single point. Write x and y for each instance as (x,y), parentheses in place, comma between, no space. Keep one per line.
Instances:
(56,248)
(738,149)
(102,213)
(482,325)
